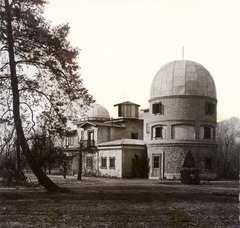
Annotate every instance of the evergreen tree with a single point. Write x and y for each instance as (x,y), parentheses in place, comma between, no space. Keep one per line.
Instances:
(189,161)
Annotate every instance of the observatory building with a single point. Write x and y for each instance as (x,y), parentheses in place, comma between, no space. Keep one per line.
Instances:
(181,118)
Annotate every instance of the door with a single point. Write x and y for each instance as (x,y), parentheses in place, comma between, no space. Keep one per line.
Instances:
(156,166)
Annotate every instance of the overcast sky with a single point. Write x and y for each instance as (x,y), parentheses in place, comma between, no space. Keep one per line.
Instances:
(125,42)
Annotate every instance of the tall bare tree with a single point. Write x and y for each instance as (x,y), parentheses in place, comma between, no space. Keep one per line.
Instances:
(228,138)
(39,71)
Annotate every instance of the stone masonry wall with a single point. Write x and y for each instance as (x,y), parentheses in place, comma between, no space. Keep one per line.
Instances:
(174,156)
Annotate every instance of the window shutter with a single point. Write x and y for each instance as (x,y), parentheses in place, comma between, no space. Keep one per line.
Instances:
(206,107)
(153,133)
(154,108)
(213,108)
(120,111)
(162,109)
(161,132)
(147,128)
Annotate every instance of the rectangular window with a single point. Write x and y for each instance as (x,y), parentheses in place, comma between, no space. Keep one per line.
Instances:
(208,163)
(134,135)
(120,111)
(207,133)
(156,163)
(157,132)
(111,163)
(89,162)
(158,108)
(104,163)
(90,141)
(210,108)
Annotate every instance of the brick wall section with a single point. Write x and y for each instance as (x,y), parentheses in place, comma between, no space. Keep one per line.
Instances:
(173,158)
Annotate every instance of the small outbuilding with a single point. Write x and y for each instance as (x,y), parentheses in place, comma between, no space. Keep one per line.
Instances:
(125,158)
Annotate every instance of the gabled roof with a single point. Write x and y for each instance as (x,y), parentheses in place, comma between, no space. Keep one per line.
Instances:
(126,102)
(100,124)
(87,123)
(125,142)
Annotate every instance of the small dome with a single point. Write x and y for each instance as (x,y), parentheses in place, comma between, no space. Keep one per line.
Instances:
(182,77)
(97,111)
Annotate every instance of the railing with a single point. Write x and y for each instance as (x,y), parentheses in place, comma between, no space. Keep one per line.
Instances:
(88,145)
(91,118)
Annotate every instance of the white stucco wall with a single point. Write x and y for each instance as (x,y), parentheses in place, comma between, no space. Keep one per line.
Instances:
(108,153)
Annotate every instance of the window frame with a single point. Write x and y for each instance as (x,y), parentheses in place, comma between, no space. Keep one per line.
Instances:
(105,161)
(134,135)
(210,108)
(207,130)
(155,130)
(158,108)
(156,161)
(112,166)
(90,138)
(87,162)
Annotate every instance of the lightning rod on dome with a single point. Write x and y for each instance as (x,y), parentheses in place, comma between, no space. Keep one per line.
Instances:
(183,52)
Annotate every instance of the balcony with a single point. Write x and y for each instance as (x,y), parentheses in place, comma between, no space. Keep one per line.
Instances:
(88,145)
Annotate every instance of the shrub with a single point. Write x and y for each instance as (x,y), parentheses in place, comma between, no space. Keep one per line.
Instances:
(189,174)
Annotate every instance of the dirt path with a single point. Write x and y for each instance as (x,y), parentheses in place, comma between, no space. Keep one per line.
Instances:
(100,202)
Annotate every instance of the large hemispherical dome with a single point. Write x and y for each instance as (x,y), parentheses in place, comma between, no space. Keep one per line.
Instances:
(97,111)
(182,77)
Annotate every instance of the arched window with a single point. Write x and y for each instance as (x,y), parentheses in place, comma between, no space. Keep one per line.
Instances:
(159,132)
(207,132)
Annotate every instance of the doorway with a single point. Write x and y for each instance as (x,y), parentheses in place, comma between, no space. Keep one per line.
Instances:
(156,166)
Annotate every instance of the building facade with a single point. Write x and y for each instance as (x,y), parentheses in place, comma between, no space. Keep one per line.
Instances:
(181,117)
(106,141)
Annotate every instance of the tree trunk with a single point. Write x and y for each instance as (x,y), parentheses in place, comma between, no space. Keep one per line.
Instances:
(49,168)
(33,164)
(80,162)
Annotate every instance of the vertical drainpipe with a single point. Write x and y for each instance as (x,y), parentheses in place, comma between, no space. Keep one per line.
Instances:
(121,162)
(163,163)
(98,162)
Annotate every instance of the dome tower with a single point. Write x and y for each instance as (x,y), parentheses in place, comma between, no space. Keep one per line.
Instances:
(181,117)
(97,111)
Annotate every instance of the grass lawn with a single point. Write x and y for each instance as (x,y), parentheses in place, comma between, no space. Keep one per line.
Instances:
(101,202)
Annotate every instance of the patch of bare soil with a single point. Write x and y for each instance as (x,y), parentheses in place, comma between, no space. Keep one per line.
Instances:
(101,202)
